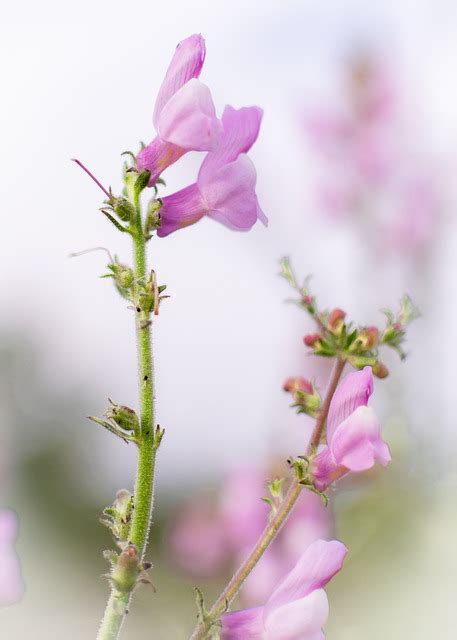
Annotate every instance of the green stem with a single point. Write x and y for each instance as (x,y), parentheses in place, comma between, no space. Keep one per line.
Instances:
(148,443)
(275,524)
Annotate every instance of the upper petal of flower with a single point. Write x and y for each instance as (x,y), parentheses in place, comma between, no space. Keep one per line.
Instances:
(240,131)
(301,619)
(352,392)
(186,63)
(243,625)
(189,120)
(357,441)
(319,563)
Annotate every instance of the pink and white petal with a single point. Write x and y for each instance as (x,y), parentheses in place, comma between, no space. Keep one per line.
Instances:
(246,624)
(240,131)
(230,194)
(317,566)
(301,619)
(181,209)
(189,120)
(354,391)
(186,64)
(382,452)
(353,443)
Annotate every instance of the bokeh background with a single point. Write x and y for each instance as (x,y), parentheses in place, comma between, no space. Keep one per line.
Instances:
(80,80)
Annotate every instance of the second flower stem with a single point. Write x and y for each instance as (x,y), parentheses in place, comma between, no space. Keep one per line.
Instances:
(276,523)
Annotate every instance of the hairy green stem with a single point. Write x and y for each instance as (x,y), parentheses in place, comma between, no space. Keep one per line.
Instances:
(275,524)
(148,443)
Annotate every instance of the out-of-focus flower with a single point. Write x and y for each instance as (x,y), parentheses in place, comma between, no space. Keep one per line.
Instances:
(209,537)
(11,585)
(184,114)
(225,187)
(368,172)
(297,609)
(354,440)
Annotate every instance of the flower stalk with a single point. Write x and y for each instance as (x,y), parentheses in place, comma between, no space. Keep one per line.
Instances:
(127,571)
(272,529)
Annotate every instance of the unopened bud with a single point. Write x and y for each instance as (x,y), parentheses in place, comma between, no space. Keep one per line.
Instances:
(124,417)
(336,319)
(127,569)
(292,385)
(311,339)
(369,337)
(124,209)
(380,370)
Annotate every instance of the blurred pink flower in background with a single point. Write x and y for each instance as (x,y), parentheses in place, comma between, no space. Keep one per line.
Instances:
(368,171)
(11,585)
(297,608)
(210,539)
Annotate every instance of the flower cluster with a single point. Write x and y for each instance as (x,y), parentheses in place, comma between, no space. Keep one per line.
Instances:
(336,337)
(185,120)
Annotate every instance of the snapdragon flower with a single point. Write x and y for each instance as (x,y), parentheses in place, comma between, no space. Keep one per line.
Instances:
(354,440)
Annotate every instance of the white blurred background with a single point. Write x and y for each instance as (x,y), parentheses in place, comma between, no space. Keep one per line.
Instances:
(80,81)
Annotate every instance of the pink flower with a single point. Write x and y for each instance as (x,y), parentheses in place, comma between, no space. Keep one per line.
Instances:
(225,187)
(354,440)
(184,114)
(298,607)
(11,585)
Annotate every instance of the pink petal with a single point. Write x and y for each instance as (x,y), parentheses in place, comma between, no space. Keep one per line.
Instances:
(243,625)
(186,63)
(357,442)
(325,469)
(241,128)
(189,120)
(11,584)
(157,156)
(230,194)
(301,619)
(354,391)
(181,209)
(320,562)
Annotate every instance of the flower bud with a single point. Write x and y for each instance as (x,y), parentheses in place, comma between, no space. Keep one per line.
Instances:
(298,384)
(123,416)
(125,572)
(311,339)
(369,338)
(124,209)
(380,370)
(305,397)
(336,319)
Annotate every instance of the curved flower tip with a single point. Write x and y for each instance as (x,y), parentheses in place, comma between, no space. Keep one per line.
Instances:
(298,607)
(11,585)
(184,113)
(187,63)
(354,391)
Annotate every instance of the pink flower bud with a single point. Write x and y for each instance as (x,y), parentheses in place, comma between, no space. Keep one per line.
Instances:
(369,337)
(311,338)
(335,319)
(298,384)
